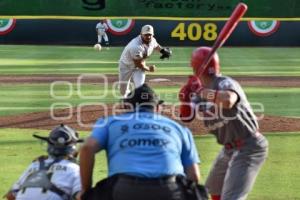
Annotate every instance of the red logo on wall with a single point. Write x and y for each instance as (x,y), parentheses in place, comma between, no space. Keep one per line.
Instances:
(120,26)
(7,25)
(263,28)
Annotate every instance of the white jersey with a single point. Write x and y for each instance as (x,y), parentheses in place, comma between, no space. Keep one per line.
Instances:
(65,176)
(101,28)
(136,50)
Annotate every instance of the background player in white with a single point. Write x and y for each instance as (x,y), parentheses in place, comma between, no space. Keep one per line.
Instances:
(132,62)
(228,115)
(60,166)
(101,29)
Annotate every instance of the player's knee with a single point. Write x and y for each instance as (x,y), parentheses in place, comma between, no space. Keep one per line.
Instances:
(124,90)
(215,197)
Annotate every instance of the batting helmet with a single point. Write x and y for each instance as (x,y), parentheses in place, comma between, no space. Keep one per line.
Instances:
(61,141)
(198,57)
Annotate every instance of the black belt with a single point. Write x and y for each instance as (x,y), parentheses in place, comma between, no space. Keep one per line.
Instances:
(136,179)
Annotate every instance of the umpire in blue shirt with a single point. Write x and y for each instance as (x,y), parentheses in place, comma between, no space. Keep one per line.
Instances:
(146,153)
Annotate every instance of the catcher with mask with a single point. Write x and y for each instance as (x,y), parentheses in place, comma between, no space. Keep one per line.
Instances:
(55,176)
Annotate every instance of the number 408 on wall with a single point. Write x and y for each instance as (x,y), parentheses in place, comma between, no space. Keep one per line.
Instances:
(195,31)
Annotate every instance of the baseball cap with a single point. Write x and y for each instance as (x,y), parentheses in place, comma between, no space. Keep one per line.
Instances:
(143,95)
(147,29)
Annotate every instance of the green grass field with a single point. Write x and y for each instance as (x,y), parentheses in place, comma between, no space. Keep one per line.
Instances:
(279,178)
(76,60)
(22,98)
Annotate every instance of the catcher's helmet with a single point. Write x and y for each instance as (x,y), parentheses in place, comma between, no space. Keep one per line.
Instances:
(61,141)
(198,57)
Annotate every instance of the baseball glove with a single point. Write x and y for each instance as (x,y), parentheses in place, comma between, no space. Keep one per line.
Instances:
(165,53)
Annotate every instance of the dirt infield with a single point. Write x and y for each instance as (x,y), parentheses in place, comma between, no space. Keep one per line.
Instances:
(89,114)
(172,80)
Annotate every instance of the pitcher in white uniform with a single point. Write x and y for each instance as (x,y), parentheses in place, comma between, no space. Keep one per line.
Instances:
(132,63)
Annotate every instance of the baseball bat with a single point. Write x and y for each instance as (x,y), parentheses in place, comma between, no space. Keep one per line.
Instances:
(226,31)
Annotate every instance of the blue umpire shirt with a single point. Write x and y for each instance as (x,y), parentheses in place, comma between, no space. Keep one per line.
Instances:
(145,144)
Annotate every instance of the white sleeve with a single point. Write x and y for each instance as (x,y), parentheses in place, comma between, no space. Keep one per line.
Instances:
(136,53)
(76,184)
(155,43)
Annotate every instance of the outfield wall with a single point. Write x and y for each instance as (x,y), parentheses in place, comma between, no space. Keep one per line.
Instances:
(167,32)
(146,8)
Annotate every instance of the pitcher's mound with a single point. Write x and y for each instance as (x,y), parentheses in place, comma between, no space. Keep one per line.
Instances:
(157,80)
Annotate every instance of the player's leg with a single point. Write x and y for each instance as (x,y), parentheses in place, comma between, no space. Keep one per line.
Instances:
(244,168)
(214,181)
(125,74)
(138,77)
(99,39)
(105,37)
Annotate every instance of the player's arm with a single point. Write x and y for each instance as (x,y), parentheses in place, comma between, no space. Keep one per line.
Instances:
(87,161)
(140,63)
(165,52)
(223,98)
(186,108)
(138,58)
(158,48)
(189,156)
(105,26)
(10,195)
(192,172)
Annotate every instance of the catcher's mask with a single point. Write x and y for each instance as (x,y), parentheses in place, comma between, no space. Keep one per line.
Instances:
(198,57)
(61,141)
(143,96)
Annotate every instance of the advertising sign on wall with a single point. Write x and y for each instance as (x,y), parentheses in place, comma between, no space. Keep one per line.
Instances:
(6,26)
(264,28)
(120,26)
(167,32)
(78,9)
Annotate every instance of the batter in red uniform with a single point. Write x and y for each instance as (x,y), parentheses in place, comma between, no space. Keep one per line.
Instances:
(228,115)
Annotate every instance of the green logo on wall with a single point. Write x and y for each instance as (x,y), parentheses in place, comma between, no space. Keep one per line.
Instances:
(263,28)
(6,26)
(120,26)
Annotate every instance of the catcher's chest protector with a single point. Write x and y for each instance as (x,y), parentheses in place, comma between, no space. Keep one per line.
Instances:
(42,179)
